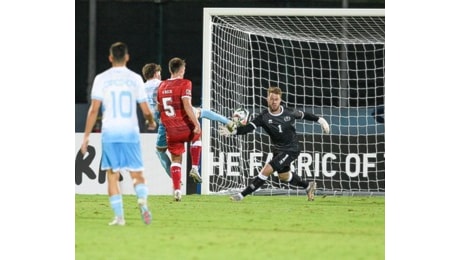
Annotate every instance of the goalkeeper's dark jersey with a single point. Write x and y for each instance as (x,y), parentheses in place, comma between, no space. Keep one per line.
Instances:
(280,127)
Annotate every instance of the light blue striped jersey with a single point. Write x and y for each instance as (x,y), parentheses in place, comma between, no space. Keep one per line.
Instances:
(119,89)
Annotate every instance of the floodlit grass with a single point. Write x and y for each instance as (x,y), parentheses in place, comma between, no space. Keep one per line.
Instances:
(213,227)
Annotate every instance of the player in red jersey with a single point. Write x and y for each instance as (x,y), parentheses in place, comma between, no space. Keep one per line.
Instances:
(177,114)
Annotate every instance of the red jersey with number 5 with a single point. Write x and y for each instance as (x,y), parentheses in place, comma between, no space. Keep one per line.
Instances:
(173,115)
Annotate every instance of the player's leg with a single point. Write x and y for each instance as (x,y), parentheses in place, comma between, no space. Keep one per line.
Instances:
(195,148)
(176,148)
(161,149)
(211,115)
(176,174)
(311,190)
(280,163)
(115,198)
(208,114)
(285,174)
(110,160)
(256,183)
(294,179)
(164,160)
(195,154)
(141,191)
(135,166)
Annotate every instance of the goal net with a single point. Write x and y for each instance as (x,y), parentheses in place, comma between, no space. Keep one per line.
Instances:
(330,62)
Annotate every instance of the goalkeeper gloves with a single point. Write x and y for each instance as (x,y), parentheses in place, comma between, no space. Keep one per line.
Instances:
(225,131)
(324,125)
(231,125)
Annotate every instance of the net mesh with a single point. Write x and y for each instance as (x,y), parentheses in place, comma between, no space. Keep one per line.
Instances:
(328,65)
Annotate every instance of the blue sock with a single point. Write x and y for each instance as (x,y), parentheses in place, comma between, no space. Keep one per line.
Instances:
(141,191)
(165,162)
(116,202)
(214,116)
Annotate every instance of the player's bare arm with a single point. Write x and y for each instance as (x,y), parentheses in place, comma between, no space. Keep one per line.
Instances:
(93,111)
(148,115)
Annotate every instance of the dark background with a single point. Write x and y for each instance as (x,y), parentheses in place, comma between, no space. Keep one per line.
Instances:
(157,30)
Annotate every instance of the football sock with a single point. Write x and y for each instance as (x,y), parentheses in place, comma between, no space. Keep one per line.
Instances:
(195,153)
(141,191)
(296,181)
(165,161)
(176,175)
(256,183)
(116,202)
(213,116)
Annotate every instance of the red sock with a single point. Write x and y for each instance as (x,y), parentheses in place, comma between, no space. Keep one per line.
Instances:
(176,175)
(195,153)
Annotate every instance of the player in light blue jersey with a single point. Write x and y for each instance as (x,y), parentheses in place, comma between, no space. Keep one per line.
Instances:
(152,76)
(117,91)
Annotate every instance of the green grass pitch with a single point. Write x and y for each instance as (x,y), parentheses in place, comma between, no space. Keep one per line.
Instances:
(213,227)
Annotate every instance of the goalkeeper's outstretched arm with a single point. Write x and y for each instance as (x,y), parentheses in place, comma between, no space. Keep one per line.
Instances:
(311,117)
(241,130)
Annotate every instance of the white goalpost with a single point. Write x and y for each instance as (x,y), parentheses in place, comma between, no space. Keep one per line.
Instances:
(330,62)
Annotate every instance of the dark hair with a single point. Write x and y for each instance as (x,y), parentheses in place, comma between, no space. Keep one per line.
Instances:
(175,64)
(149,70)
(118,51)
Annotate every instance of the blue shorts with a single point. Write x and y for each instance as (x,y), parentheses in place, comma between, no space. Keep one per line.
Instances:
(122,156)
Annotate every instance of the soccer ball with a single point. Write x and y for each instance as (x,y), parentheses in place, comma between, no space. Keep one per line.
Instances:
(241,116)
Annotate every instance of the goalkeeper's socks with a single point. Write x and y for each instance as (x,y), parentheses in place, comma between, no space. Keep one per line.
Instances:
(141,191)
(116,202)
(295,180)
(214,116)
(195,153)
(165,161)
(256,183)
(176,175)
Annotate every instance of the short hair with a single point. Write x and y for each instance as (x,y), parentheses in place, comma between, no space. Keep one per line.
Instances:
(175,64)
(149,70)
(118,51)
(274,90)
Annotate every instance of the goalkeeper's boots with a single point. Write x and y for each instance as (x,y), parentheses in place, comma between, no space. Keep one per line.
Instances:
(237,197)
(195,175)
(177,195)
(146,216)
(117,221)
(311,190)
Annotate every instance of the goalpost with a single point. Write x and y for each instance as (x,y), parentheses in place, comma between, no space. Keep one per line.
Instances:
(330,62)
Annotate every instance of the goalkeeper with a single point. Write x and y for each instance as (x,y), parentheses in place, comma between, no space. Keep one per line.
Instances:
(278,122)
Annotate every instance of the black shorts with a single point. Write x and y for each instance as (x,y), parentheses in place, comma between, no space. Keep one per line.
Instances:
(281,161)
